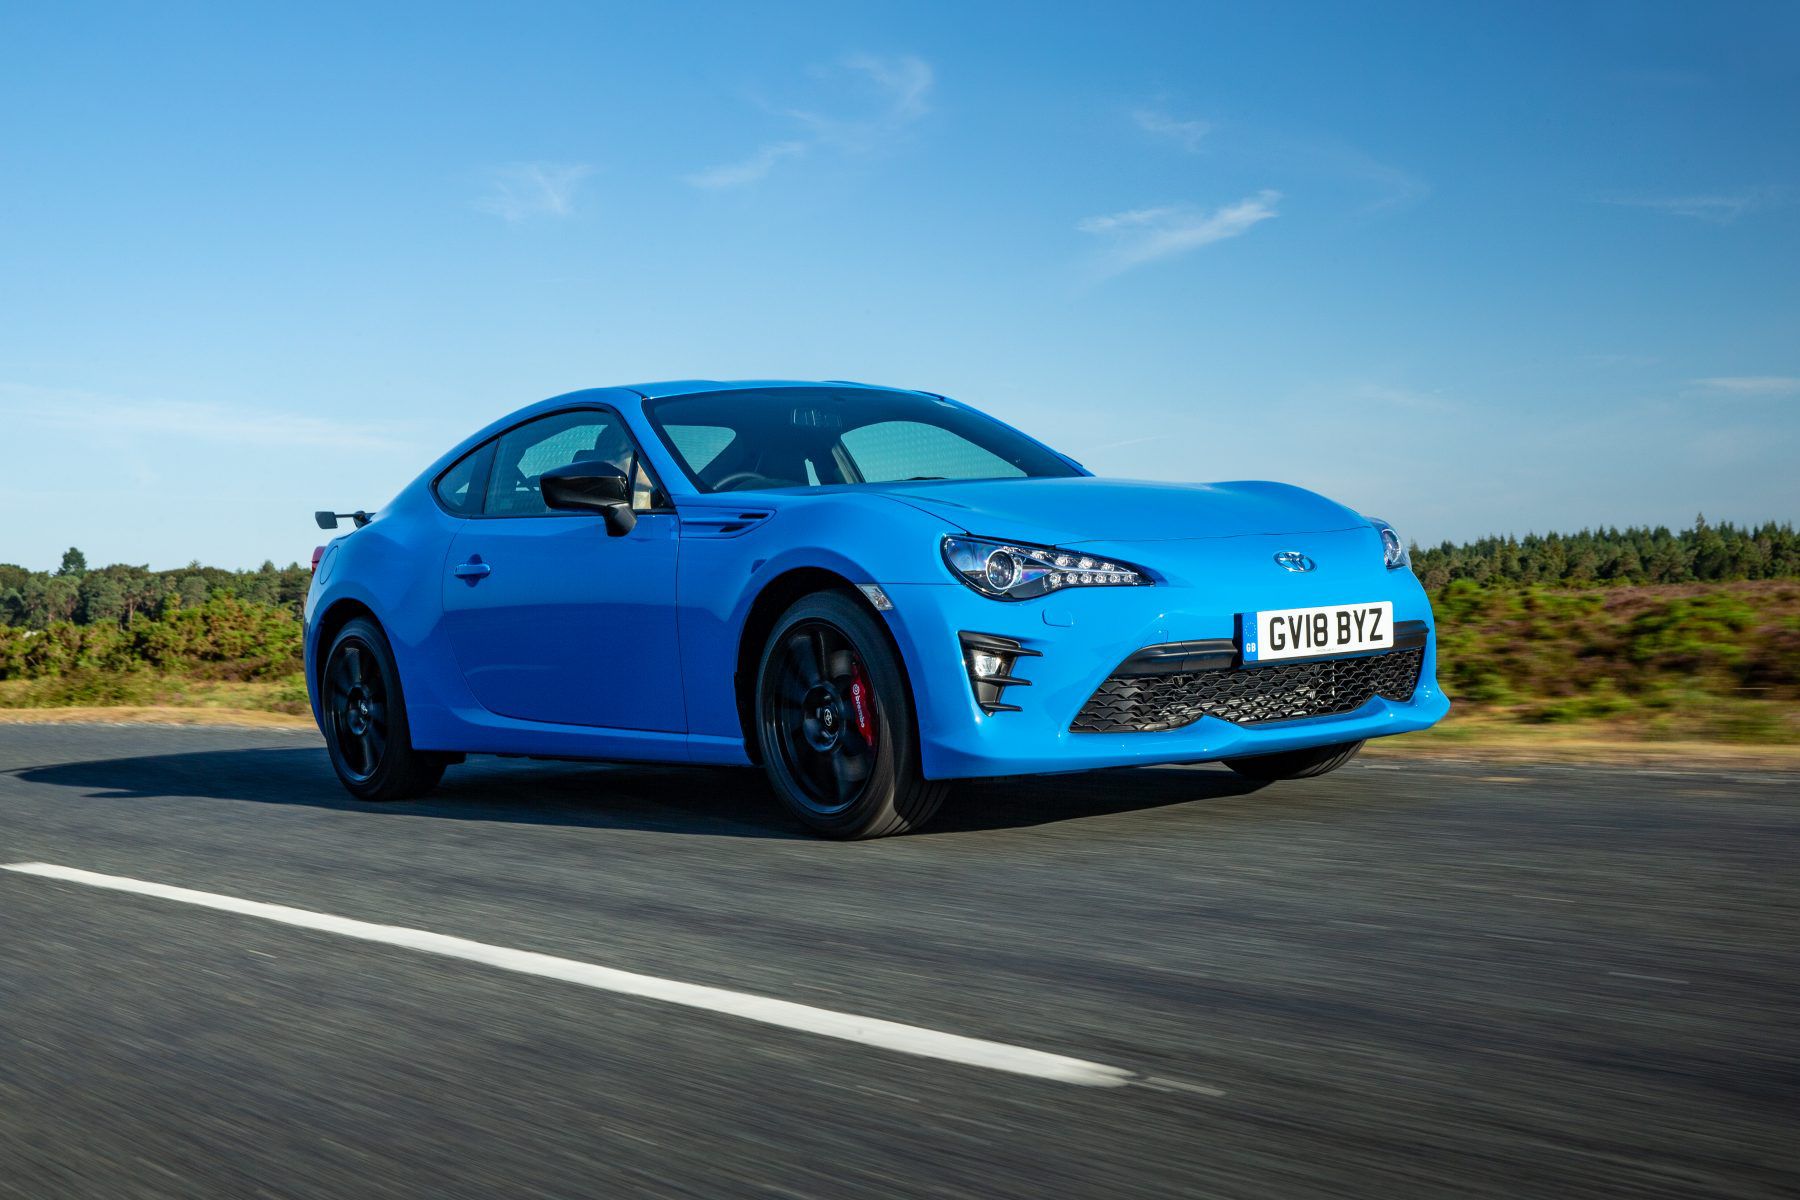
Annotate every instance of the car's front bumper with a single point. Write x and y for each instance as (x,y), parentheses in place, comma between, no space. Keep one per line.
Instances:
(1081,636)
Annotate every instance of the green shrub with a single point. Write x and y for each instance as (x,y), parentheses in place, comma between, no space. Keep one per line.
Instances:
(1715,659)
(225,638)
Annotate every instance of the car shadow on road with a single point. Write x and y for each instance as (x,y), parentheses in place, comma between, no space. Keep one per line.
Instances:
(710,801)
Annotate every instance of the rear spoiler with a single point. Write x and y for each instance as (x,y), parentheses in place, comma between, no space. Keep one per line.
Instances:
(329,520)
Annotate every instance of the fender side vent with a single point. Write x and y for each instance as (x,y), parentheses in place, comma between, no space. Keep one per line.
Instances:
(721,523)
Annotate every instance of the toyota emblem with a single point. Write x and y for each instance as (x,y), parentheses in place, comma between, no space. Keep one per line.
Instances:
(1293,560)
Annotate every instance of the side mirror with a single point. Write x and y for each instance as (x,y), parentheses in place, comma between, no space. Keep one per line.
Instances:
(596,487)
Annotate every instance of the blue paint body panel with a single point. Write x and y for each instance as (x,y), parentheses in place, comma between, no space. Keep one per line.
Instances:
(579,645)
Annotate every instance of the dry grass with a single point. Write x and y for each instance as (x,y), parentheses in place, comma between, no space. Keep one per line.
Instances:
(1590,743)
(137,714)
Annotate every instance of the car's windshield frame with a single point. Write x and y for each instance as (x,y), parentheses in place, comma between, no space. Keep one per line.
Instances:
(1020,452)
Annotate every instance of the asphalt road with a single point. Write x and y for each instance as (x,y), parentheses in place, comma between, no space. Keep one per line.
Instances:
(1399,980)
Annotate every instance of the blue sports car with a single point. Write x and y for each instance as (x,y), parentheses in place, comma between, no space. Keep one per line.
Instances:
(869,592)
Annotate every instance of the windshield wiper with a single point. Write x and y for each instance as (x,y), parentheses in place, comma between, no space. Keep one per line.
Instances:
(917,478)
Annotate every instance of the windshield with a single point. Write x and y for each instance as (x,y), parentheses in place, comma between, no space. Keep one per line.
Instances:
(815,437)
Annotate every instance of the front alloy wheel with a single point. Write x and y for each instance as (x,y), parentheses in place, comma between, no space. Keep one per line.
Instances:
(835,723)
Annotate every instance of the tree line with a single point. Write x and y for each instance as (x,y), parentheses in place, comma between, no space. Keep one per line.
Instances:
(120,594)
(76,594)
(1704,553)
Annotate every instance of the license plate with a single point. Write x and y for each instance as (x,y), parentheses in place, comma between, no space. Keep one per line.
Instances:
(1318,632)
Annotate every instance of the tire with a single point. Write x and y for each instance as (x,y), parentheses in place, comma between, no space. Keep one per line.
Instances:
(838,781)
(1295,764)
(365,719)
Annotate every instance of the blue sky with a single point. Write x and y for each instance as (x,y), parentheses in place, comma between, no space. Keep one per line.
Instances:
(1472,268)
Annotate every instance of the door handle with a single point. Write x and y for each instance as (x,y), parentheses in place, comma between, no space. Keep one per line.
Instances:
(472,570)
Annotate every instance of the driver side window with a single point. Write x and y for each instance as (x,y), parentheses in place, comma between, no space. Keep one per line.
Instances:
(525,453)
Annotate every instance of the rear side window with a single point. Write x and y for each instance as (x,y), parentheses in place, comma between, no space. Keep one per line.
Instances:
(462,488)
(525,453)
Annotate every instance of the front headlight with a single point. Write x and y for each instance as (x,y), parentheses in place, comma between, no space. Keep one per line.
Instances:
(1015,571)
(1393,550)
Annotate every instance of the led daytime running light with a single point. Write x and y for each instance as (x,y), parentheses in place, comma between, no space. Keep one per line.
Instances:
(1018,571)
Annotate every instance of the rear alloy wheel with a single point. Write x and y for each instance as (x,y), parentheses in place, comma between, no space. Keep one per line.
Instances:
(834,721)
(1295,764)
(365,720)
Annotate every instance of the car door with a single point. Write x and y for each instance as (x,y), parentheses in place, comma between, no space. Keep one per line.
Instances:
(550,618)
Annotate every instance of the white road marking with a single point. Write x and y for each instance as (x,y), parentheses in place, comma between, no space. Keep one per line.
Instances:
(1160,1084)
(868,1031)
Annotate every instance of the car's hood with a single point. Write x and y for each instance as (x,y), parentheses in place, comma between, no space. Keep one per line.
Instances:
(1060,512)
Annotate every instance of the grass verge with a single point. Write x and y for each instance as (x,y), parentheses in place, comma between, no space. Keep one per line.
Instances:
(1590,743)
(134,714)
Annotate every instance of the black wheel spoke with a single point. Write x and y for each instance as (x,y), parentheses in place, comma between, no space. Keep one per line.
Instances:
(792,689)
(855,745)
(824,778)
(813,715)
(803,652)
(850,770)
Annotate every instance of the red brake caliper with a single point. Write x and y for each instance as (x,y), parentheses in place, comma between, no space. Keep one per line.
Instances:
(862,705)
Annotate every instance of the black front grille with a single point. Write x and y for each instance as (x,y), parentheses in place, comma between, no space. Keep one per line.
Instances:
(1249,695)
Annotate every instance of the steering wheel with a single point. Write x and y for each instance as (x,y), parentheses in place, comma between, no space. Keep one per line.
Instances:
(739,481)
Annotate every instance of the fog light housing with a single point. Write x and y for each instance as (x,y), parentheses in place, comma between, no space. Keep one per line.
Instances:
(989,660)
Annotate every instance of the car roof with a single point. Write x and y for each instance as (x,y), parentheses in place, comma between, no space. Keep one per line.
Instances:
(689,387)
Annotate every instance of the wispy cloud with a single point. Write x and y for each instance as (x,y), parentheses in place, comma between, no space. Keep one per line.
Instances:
(895,94)
(1620,360)
(1716,208)
(1392,186)
(72,410)
(880,97)
(1186,134)
(1381,186)
(1146,234)
(751,170)
(1400,397)
(1752,385)
(520,191)
(1120,445)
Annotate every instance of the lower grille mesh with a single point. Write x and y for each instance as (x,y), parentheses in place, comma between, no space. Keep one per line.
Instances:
(1249,695)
